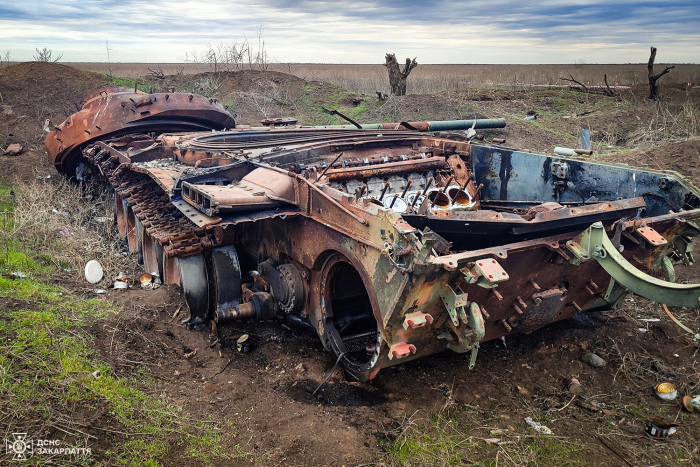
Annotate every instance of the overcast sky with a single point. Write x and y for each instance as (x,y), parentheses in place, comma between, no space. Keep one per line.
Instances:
(482,31)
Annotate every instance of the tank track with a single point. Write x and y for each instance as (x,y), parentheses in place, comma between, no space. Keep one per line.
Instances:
(160,219)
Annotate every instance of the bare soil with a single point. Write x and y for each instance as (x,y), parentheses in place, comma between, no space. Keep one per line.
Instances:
(276,407)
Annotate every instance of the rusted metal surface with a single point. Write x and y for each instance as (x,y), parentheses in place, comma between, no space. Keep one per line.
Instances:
(392,245)
(118,111)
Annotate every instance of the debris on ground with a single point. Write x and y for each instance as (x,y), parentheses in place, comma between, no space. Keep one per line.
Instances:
(146,281)
(691,404)
(594,406)
(594,360)
(19,275)
(121,281)
(660,428)
(93,271)
(244,344)
(538,427)
(666,391)
(14,149)
(574,386)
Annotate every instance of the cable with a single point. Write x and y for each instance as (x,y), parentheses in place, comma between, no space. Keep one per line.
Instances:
(329,374)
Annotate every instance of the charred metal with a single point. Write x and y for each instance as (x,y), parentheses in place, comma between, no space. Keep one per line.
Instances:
(391,243)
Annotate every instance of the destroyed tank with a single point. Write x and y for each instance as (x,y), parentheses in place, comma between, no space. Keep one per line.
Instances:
(389,241)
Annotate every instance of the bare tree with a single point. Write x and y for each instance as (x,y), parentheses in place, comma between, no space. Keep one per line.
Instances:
(653,87)
(109,60)
(45,56)
(397,77)
(5,59)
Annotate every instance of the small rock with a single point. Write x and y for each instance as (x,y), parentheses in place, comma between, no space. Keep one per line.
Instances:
(299,369)
(594,360)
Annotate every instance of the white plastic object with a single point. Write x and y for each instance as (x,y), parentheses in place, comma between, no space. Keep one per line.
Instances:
(93,271)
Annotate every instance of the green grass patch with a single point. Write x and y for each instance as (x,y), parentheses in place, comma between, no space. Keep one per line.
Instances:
(52,381)
(456,437)
(125,82)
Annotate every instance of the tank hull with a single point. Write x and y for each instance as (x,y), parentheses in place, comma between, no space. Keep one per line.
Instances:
(393,245)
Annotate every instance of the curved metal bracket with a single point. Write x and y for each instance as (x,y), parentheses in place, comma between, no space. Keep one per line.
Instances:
(596,245)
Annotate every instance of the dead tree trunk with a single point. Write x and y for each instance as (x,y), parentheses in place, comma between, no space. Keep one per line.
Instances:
(653,87)
(397,77)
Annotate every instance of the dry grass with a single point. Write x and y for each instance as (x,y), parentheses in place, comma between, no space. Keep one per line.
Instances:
(66,225)
(430,79)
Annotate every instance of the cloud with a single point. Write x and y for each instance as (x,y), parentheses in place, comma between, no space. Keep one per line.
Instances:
(435,31)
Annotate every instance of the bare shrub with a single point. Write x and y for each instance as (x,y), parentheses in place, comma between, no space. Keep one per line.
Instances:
(208,84)
(68,225)
(668,124)
(231,56)
(45,56)
(5,59)
(269,97)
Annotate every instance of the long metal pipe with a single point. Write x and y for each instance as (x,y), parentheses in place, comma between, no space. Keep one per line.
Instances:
(444,125)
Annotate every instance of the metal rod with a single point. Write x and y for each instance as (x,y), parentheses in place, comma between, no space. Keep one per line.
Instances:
(334,202)
(330,165)
(396,195)
(386,187)
(444,189)
(421,193)
(405,190)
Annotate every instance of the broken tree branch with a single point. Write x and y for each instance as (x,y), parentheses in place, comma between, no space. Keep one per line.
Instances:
(572,80)
(582,88)
(608,91)
(653,86)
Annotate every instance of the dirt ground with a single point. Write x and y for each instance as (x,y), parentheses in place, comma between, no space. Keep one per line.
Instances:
(270,395)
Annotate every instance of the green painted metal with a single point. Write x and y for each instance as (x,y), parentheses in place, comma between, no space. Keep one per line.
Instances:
(598,246)
(475,331)
(455,303)
(667,268)
(482,123)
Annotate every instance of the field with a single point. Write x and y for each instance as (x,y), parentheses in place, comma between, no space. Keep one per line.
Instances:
(109,370)
(429,79)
